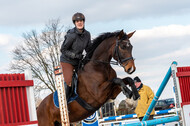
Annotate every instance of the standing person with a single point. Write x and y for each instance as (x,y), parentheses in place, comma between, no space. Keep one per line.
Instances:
(76,41)
(146,97)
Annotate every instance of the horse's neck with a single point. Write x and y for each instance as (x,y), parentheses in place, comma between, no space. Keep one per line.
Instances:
(100,61)
(104,51)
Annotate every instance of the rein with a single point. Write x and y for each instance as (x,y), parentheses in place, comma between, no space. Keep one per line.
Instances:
(105,62)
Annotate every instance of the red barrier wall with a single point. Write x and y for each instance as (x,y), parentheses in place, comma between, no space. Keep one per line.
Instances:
(183,73)
(13,100)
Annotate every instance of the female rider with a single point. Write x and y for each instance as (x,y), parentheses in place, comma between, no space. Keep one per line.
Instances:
(76,40)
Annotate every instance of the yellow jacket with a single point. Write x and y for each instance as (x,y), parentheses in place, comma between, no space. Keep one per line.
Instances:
(146,96)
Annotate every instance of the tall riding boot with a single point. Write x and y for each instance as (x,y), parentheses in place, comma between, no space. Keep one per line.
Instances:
(67,91)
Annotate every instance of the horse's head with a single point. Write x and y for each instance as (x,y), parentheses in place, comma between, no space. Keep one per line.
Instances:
(123,52)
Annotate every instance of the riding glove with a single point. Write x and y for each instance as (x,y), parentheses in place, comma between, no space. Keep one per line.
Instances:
(73,55)
(79,56)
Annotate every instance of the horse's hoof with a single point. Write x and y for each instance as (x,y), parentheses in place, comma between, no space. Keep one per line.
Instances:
(130,94)
(135,97)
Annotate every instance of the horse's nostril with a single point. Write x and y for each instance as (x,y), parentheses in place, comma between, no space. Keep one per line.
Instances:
(129,70)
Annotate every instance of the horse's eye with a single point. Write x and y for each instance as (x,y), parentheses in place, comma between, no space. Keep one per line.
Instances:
(123,46)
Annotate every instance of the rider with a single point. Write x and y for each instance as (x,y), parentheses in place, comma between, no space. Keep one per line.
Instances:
(76,41)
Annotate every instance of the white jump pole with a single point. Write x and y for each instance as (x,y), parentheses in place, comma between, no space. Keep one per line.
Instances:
(61,96)
(177,94)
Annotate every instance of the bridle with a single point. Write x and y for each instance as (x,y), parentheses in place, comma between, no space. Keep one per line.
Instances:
(118,56)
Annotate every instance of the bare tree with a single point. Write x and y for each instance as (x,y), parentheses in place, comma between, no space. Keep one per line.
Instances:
(40,53)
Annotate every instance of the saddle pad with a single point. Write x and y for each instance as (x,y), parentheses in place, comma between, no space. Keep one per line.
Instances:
(55,99)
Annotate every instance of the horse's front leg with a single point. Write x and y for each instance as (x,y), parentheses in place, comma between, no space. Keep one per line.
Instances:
(126,91)
(128,80)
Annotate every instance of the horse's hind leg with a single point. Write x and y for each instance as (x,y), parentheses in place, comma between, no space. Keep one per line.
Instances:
(43,120)
(45,112)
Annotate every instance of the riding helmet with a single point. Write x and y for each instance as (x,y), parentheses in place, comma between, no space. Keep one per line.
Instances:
(78,16)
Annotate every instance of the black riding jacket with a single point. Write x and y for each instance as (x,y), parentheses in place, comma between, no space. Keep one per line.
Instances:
(74,43)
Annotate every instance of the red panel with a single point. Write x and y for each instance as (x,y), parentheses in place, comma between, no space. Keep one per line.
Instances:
(21,123)
(183,74)
(5,109)
(16,83)
(22,104)
(9,105)
(18,105)
(7,77)
(14,106)
(184,81)
(13,100)
(185,103)
(1,107)
(26,104)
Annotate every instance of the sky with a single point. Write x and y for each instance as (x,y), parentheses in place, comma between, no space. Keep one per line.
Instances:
(162,30)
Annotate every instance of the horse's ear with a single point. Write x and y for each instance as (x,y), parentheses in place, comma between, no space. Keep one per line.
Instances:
(121,34)
(130,34)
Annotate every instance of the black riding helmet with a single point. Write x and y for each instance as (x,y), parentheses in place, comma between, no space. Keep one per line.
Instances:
(78,16)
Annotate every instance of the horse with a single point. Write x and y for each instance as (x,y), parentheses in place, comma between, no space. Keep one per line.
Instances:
(97,80)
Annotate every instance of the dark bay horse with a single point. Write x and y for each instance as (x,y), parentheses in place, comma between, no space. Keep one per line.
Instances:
(97,80)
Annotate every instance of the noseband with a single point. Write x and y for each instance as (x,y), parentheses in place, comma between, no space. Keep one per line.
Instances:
(118,56)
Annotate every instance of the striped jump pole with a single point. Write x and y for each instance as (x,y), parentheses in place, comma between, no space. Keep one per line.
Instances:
(61,96)
(158,93)
(154,122)
(129,116)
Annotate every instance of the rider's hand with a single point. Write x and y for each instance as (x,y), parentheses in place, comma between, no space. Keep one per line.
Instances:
(70,54)
(79,56)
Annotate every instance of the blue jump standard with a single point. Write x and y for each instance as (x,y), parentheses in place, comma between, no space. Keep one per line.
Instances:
(158,93)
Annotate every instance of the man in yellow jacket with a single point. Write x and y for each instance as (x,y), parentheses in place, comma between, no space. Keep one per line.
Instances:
(146,96)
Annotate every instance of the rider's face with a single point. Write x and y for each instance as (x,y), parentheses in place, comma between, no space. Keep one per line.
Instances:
(79,24)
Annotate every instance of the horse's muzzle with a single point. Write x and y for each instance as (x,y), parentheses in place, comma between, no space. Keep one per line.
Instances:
(130,67)
(131,70)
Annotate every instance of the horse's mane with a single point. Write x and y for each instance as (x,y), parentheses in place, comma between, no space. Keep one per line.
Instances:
(97,41)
